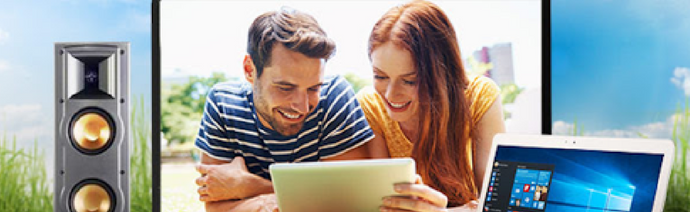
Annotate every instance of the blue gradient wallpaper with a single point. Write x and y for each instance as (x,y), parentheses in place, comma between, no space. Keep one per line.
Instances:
(598,181)
(619,68)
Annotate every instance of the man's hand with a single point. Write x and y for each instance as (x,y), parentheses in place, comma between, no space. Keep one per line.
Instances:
(226,181)
(269,203)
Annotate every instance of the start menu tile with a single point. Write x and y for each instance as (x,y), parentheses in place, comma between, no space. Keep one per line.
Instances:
(517,186)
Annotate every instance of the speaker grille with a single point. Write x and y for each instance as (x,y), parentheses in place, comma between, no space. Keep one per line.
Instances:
(91,131)
(92,195)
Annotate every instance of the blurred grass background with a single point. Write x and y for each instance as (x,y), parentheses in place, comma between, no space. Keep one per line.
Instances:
(24,185)
(678,195)
(140,157)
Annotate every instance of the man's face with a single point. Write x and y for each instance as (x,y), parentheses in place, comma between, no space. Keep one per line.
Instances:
(288,90)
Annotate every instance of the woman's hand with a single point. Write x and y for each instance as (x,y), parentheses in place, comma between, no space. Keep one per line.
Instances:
(416,197)
(467,207)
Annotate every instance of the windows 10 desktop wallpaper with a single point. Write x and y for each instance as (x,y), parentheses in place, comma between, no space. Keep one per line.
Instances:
(581,180)
(619,68)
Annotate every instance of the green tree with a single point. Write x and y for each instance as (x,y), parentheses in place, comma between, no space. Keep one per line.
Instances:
(182,106)
(357,82)
(476,67)
(508,94)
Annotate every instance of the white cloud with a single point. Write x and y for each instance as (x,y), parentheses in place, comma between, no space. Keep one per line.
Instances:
(562,128)
(613,133)
(4,66)
(656,129)
(10,70)
(28,122)
(662,129)
(4,36)
(681,78)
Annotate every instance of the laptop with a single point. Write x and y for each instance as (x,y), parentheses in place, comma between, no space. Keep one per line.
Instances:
(347,186)
(536,173)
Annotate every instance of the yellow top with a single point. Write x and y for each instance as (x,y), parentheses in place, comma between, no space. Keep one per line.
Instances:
(481,92)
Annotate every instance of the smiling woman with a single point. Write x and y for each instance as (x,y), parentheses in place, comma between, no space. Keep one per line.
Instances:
(434,112)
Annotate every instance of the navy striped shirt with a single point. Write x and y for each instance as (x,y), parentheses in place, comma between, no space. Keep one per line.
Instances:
(230,127)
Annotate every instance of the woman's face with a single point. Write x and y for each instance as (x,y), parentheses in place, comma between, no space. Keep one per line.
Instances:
(395,79)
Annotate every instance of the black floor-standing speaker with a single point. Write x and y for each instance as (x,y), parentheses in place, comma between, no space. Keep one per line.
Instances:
(92,138)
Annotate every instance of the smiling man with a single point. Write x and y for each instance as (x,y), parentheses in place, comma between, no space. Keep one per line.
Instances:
(287,111)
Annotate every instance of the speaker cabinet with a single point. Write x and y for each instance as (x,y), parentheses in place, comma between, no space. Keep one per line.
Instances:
(92,124)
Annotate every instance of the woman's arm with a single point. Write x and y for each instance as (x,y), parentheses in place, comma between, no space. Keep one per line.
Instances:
(489,125)
(377,147)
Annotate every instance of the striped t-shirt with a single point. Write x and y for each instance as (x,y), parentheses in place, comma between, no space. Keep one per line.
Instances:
(230,127)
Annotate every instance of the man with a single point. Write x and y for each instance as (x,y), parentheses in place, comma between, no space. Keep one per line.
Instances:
(287,112)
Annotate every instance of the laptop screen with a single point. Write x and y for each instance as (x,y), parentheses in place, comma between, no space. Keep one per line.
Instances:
(563,180)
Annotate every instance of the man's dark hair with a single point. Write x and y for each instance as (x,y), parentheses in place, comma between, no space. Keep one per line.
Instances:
(295,30)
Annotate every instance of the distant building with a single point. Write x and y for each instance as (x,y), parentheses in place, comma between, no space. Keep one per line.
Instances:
(501,57)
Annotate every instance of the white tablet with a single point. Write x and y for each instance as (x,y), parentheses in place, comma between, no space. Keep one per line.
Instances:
(562,174)
(347,186)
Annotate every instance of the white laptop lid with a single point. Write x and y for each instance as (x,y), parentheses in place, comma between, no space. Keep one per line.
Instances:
(354,185)
(562,174)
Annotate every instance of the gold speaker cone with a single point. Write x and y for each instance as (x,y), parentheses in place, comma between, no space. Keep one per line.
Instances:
(91,131)
(92,198)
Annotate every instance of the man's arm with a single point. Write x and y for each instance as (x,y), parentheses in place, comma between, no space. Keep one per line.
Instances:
(222,180)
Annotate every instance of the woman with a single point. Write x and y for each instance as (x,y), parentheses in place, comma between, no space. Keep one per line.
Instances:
(424,106)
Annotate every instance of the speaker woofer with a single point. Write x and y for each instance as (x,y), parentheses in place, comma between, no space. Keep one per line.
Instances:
(92,131)
(92,195)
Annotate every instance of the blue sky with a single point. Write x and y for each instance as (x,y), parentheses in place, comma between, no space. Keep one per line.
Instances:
(28,31)
(614,64)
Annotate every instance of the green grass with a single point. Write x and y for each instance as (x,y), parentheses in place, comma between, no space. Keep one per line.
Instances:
(140,159)
(178,190)
(23,183)
(678,195)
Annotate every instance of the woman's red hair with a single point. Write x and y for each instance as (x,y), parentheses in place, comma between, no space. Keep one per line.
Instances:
(424,30)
